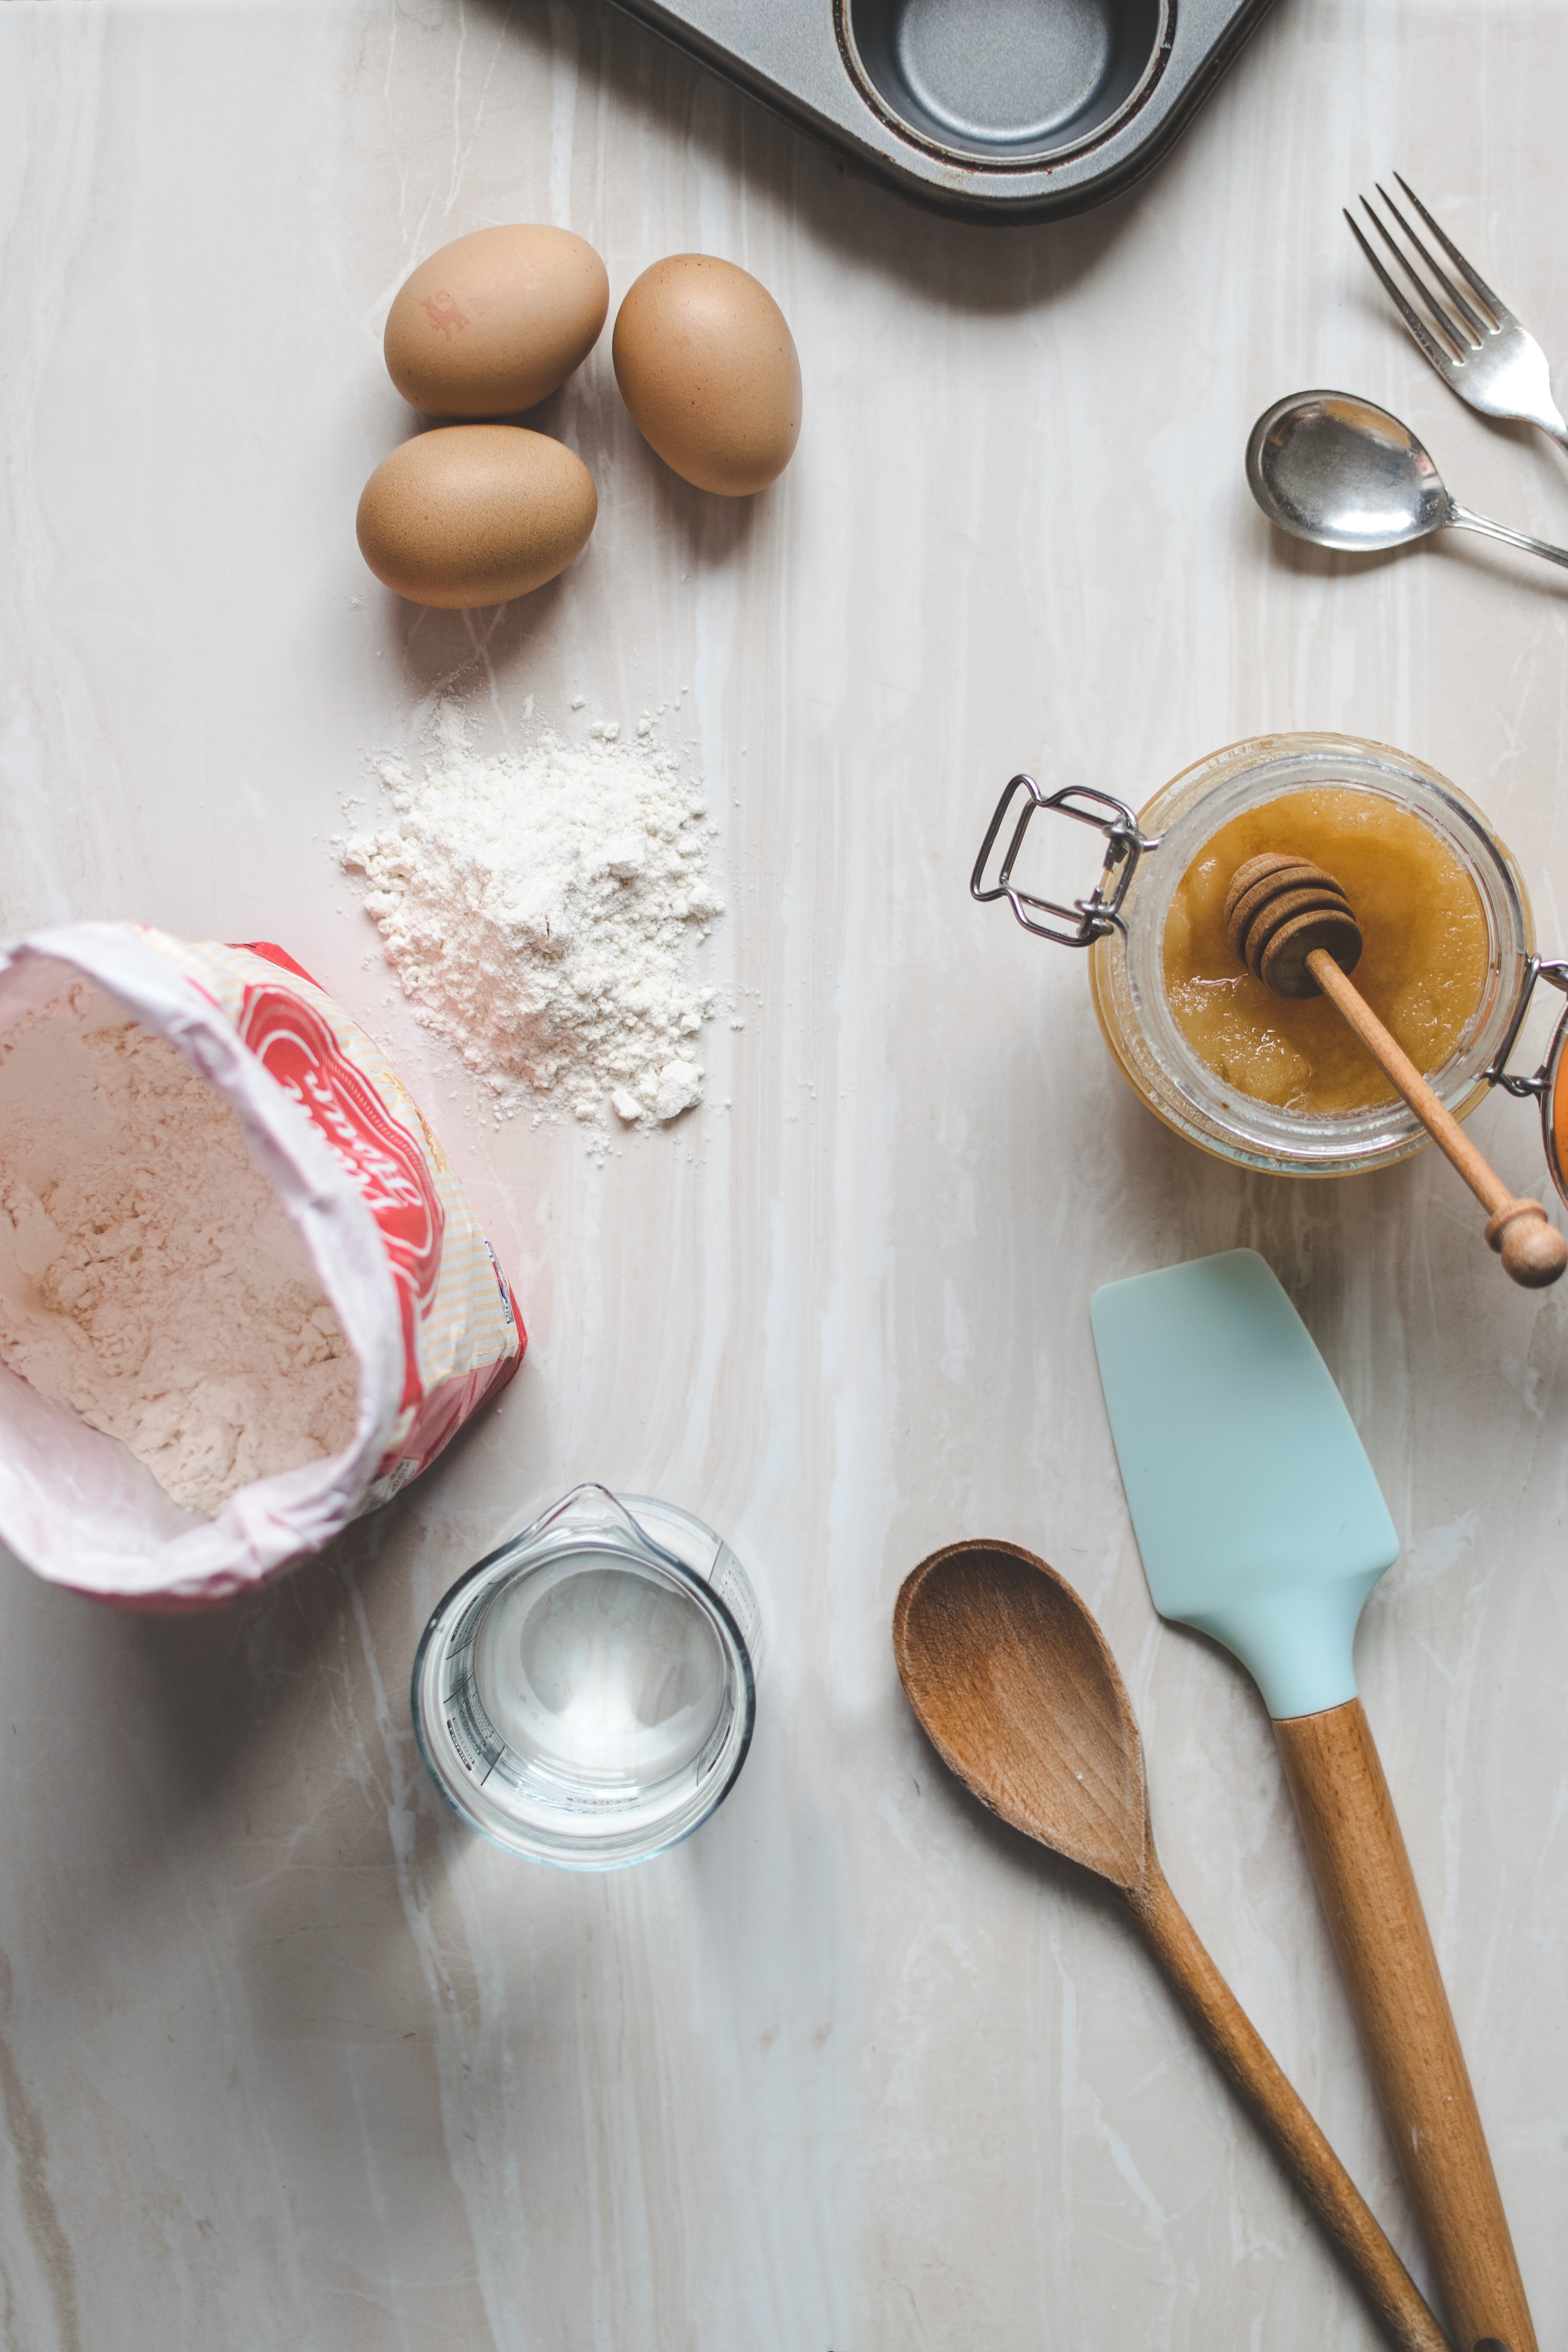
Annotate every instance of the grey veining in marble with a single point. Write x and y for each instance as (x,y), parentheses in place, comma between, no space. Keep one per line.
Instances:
(285,2060)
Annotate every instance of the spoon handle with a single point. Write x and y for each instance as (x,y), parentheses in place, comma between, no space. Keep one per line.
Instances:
(1342,2212)
(1468,521)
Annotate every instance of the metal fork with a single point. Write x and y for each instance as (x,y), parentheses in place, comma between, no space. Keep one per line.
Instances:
(1479,350)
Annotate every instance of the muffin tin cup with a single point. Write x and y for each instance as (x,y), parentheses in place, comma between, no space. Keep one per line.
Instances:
(1015,87)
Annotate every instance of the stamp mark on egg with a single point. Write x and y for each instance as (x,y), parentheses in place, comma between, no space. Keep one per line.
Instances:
(444,314)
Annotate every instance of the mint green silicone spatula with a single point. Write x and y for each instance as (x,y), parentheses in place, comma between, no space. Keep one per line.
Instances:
(1260,1523)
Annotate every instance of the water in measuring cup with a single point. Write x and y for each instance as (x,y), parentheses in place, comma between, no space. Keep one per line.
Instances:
(597,1676)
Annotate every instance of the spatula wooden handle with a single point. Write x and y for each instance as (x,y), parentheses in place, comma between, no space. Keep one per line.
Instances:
(1533,1250)
(1390,1971)
(1332,2195)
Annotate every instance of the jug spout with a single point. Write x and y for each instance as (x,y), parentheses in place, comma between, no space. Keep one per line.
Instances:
(591,1510)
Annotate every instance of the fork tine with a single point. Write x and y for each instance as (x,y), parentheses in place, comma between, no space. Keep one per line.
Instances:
(1439,317)
(1479,286)
(1479,327)
(1440,359)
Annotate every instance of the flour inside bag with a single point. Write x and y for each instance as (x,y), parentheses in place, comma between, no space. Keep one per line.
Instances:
(242,1296)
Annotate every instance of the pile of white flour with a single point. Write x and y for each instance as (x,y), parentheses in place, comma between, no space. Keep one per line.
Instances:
(542,913)
(150,1276)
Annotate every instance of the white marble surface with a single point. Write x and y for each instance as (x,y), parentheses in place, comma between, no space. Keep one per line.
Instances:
(286,2060)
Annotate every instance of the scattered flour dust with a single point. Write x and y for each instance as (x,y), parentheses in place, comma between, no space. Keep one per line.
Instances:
(542,913)
(150,1276)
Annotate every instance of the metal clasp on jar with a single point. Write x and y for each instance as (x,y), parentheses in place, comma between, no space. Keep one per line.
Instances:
(1092,918)
(1542,1083)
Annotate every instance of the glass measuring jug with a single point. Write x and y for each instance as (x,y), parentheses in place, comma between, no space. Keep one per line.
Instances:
(586,1695)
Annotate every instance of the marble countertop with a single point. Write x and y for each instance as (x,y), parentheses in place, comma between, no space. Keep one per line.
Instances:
(286,2060)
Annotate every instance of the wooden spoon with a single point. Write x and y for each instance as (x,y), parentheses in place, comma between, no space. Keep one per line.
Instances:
(1292,925)
(1015,1688)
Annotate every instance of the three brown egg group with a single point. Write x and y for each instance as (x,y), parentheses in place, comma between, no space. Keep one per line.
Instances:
(476,512)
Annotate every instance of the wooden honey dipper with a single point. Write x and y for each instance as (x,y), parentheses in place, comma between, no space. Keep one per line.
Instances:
(1292,925)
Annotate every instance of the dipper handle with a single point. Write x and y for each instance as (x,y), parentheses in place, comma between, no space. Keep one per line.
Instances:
(1332,2195)
(1532,1251)
(1292,925)
(1406,2027)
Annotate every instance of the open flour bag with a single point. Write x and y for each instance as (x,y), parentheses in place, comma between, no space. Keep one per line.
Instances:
(243,1297)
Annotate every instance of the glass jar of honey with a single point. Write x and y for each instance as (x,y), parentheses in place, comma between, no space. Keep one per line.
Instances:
(1274,1084)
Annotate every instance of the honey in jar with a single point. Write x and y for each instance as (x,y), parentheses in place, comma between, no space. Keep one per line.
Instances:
(1423,967)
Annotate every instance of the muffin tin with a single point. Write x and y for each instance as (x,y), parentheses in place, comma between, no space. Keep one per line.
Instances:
(1001,110)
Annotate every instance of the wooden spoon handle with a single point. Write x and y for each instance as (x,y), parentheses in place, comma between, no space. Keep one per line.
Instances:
(1342,2213)
(1533,1251)
(1390,1971)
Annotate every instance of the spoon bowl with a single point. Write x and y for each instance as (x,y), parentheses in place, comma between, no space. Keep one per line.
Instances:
(1336,470)
(1018,1693)
(1015,1686)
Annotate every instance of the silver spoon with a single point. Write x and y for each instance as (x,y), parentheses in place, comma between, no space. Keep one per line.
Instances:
(1336,470)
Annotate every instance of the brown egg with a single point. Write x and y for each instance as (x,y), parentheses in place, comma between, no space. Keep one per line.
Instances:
(495,321)
(707,366)
(475,514)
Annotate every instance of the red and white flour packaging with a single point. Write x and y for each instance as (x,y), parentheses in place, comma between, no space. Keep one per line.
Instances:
(386,1227)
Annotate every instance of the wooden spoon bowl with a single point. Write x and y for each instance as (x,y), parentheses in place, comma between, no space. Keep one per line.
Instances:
(1057,1752)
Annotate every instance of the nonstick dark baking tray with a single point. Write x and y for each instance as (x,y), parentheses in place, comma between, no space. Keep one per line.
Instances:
(1004,109)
